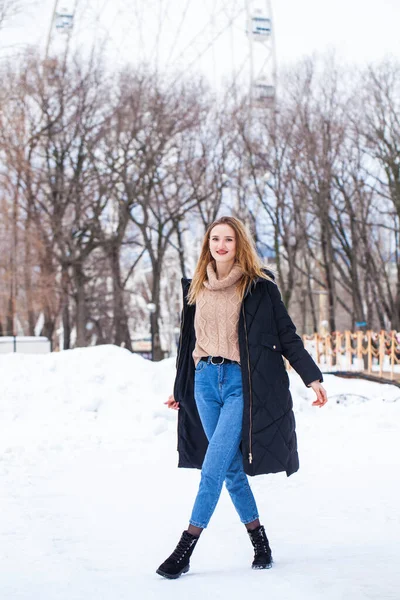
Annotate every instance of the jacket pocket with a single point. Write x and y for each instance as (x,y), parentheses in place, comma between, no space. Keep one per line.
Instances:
(271,341)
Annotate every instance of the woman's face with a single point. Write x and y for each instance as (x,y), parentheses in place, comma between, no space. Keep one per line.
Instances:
(223,243)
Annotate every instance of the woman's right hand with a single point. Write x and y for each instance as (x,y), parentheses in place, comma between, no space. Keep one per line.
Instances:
(171,403)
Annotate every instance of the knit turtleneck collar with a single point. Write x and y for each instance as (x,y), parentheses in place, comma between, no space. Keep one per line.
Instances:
(219,284)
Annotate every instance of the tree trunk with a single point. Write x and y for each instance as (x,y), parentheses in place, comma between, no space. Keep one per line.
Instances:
(79,280)
(181,250)
(121,329)
(28,276)
(65,311)
(9,315)
(329,277)
(48,277)
(157,351)
(49,322)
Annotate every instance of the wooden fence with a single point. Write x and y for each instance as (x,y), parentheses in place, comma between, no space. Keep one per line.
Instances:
(367,351)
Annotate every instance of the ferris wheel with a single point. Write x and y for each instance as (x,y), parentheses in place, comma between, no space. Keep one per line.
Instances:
(61,26)
(263,68)
(224,40)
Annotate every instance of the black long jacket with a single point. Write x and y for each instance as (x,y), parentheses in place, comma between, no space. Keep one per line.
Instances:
(266,333)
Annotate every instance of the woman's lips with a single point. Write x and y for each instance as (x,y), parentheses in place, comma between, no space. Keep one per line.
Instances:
(222,253)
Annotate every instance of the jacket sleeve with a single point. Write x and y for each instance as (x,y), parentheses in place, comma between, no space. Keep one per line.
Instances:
(292,344)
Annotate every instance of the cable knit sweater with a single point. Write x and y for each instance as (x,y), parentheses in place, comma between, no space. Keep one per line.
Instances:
(217,315)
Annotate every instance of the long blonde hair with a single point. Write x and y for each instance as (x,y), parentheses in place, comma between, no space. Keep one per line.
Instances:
(246,257)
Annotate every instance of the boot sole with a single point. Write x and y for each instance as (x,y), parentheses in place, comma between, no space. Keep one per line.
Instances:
(169,576)
(260,567)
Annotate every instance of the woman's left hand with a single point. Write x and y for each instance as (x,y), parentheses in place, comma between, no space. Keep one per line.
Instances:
(319,389)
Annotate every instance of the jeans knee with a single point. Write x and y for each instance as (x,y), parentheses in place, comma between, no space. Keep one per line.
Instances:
(231,487)
(236,481)
(233,482)
(209,479)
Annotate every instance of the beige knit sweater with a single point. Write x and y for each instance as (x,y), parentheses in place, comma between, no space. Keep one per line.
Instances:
(217,316)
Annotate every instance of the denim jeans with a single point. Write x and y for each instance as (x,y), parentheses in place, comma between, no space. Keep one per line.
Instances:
(219,400)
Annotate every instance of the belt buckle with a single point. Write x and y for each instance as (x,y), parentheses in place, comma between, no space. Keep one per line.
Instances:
(217,363)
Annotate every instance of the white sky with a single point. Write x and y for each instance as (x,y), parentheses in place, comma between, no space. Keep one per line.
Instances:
(359,30)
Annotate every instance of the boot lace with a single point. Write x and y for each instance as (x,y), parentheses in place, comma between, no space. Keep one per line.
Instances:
(260,543)
(182,548)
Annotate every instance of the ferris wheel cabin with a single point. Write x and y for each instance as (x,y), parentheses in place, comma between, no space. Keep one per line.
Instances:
(260,27)
(263,92)
(64,20)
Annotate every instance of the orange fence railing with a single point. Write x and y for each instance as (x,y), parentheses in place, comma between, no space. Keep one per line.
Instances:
(369,351)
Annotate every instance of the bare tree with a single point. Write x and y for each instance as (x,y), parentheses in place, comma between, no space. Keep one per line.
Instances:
(61,113)
(380,127)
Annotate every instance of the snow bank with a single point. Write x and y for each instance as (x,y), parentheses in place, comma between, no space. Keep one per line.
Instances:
(105,386)
(111,382)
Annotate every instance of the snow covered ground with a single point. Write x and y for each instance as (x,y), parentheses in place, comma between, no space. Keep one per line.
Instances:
(92,501)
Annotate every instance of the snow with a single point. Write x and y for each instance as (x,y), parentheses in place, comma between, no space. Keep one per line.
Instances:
(92,501)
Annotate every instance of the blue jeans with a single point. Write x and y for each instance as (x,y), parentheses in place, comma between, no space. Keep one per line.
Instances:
(219,400)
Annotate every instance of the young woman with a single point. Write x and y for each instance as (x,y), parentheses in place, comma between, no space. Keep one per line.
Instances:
(231,388)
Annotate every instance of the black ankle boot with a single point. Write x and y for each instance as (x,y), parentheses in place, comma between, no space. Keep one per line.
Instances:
(262,551)
(179,561)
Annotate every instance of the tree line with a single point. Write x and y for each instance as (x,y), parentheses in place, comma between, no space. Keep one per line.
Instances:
(108,181)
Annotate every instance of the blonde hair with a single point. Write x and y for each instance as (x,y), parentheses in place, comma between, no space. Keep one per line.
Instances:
(246,257)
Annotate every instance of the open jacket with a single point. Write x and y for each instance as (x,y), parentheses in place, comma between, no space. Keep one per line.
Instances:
(266,333)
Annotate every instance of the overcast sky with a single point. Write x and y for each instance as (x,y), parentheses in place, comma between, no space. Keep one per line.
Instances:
(359,30)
